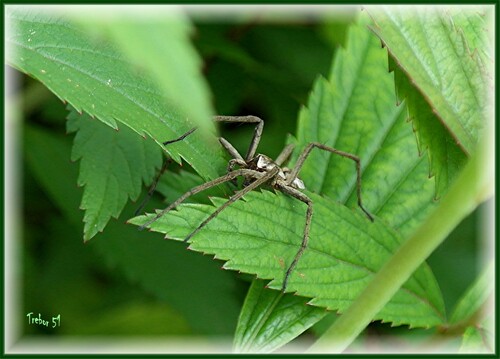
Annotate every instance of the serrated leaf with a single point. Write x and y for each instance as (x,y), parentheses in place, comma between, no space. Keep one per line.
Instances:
(337,115)
(439,61)
(475,297)
(269,319)
(156,39)
(355,111)
(114,163)
(164,269)
(332,270)
(446,159)
(442,74)
(93,76)
(473,26)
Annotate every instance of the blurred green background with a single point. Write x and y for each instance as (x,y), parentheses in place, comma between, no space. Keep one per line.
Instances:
(110,286)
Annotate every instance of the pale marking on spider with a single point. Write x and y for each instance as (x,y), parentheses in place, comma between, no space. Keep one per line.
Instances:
(258,170)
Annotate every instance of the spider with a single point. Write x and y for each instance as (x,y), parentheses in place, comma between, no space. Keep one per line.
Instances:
(257,170)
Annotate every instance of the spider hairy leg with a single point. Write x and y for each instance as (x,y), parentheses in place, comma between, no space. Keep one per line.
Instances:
(230,149)
(264,177)
(164,167)
(303,156)
(285,154)
(307,228)
(151,190)
(181,137)
(227,177)
(256,135)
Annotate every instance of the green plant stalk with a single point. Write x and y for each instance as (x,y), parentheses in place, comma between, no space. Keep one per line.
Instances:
(474,185)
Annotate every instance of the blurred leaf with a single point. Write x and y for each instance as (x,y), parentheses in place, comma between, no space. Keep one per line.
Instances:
(455,276)
(228,85)
(163,268)
(332,271)
(112,168)
(93,77)
(294,55)
(156,40)
(48,156)
(475,341)
(473,26)
(269,319)
(192,284)
(222,41)
(132,319)
(335,28)
(475,297)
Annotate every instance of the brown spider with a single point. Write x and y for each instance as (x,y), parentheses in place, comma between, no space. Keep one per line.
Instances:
(258,169)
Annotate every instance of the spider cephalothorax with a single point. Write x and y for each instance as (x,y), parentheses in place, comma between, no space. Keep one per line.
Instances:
(258,169)
(263,163)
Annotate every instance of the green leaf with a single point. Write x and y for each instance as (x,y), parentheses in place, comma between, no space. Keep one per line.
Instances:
(47,156)
(158,43)
(474,185)
(355,111)
(192,284)
(269,319)
(131,319)
(93,76)
(165,269)
(446,159)
(473,26)
(440,62)
(474,298)
(173,185)
(443,73)
(114,163)
(476,340)
(252,238)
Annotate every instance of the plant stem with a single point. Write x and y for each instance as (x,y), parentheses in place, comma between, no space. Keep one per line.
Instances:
(474,185)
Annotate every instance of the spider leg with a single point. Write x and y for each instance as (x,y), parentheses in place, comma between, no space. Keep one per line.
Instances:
(305,239)
(230,149)
(285,154)
(162,171)
(266,176)
(153,186)
(230,167)
(256,135)
(227,177)
(300,162)
(181,137)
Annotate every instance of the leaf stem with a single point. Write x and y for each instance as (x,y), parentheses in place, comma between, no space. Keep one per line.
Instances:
(474,185)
